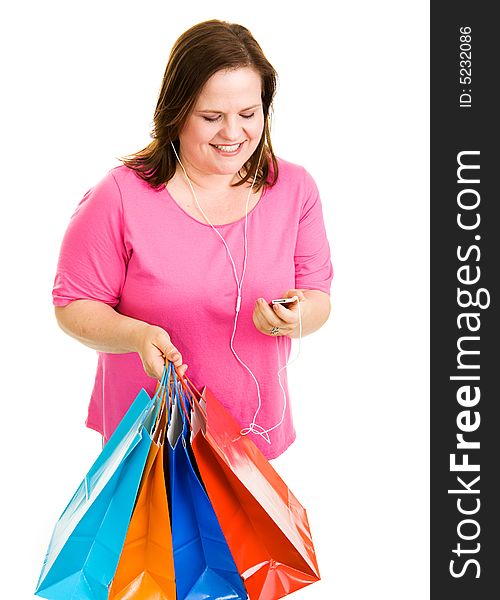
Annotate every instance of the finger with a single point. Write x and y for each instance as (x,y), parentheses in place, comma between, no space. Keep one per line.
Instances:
(287,315)
(268,313)
(259,314)
(158,372)
(172,354)
(294,292)
(262,322)
(266,320)
(155,368)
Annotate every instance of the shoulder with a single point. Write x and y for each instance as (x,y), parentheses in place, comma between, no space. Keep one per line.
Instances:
(122,187)
(295,184)
(291,174)
(127,179)
(107,193)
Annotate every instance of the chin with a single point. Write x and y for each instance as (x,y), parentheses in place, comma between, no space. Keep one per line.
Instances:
(230,168)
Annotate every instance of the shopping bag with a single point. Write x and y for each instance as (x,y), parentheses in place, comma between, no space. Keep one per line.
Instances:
(146,567)
(204,567)
(265,526)
(87,540)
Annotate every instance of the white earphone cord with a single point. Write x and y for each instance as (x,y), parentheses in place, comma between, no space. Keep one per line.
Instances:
(253,427)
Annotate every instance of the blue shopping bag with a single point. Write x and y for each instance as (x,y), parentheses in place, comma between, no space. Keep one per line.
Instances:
(88,538)
(204,566)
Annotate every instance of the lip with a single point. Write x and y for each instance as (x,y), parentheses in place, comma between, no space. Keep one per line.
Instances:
(222,153)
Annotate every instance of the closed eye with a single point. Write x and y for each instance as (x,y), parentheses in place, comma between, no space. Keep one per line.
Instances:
(219,117)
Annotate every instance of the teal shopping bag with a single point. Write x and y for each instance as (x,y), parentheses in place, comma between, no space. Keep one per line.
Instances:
(88,538)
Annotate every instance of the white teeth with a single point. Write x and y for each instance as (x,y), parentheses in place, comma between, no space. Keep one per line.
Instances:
(228,148)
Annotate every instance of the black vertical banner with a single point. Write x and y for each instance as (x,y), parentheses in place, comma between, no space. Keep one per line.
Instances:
(465,274)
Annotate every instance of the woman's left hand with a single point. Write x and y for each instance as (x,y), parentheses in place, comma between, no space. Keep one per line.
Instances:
(277,320)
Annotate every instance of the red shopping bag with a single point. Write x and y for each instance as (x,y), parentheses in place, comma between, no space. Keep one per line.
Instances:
(266,527)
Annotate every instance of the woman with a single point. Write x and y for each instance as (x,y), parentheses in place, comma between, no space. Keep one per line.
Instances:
(178,252)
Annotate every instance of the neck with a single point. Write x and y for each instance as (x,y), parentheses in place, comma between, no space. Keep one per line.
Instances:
(206,182)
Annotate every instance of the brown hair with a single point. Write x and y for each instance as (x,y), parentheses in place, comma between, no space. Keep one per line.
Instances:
(201,51)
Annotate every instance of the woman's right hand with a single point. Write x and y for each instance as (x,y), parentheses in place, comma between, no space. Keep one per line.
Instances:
(154,347)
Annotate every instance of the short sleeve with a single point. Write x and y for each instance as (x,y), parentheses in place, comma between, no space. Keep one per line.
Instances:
(93,256)
(313,267)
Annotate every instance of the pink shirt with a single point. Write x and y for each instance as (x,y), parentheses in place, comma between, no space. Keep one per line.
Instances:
(137,250)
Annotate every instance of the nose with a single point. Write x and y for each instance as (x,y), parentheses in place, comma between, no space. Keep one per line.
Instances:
(231,129)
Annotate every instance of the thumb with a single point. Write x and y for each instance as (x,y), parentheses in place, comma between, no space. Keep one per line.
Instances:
(171,353)
(294,292)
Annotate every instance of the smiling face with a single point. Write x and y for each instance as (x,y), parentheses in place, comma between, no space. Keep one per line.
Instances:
(225,125)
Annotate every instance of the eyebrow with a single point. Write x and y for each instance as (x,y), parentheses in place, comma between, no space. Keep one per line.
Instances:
(206,110)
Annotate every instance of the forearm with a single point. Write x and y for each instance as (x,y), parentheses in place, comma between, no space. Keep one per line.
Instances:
(99,326)
(315,311)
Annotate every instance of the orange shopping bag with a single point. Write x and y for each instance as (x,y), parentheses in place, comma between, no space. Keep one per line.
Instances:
(146,566)
(265,526)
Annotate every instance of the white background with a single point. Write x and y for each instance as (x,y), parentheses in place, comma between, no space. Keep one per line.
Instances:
(80,86)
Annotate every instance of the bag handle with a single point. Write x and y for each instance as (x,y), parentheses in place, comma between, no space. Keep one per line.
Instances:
(175,386)
(192,392)
(162,383)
